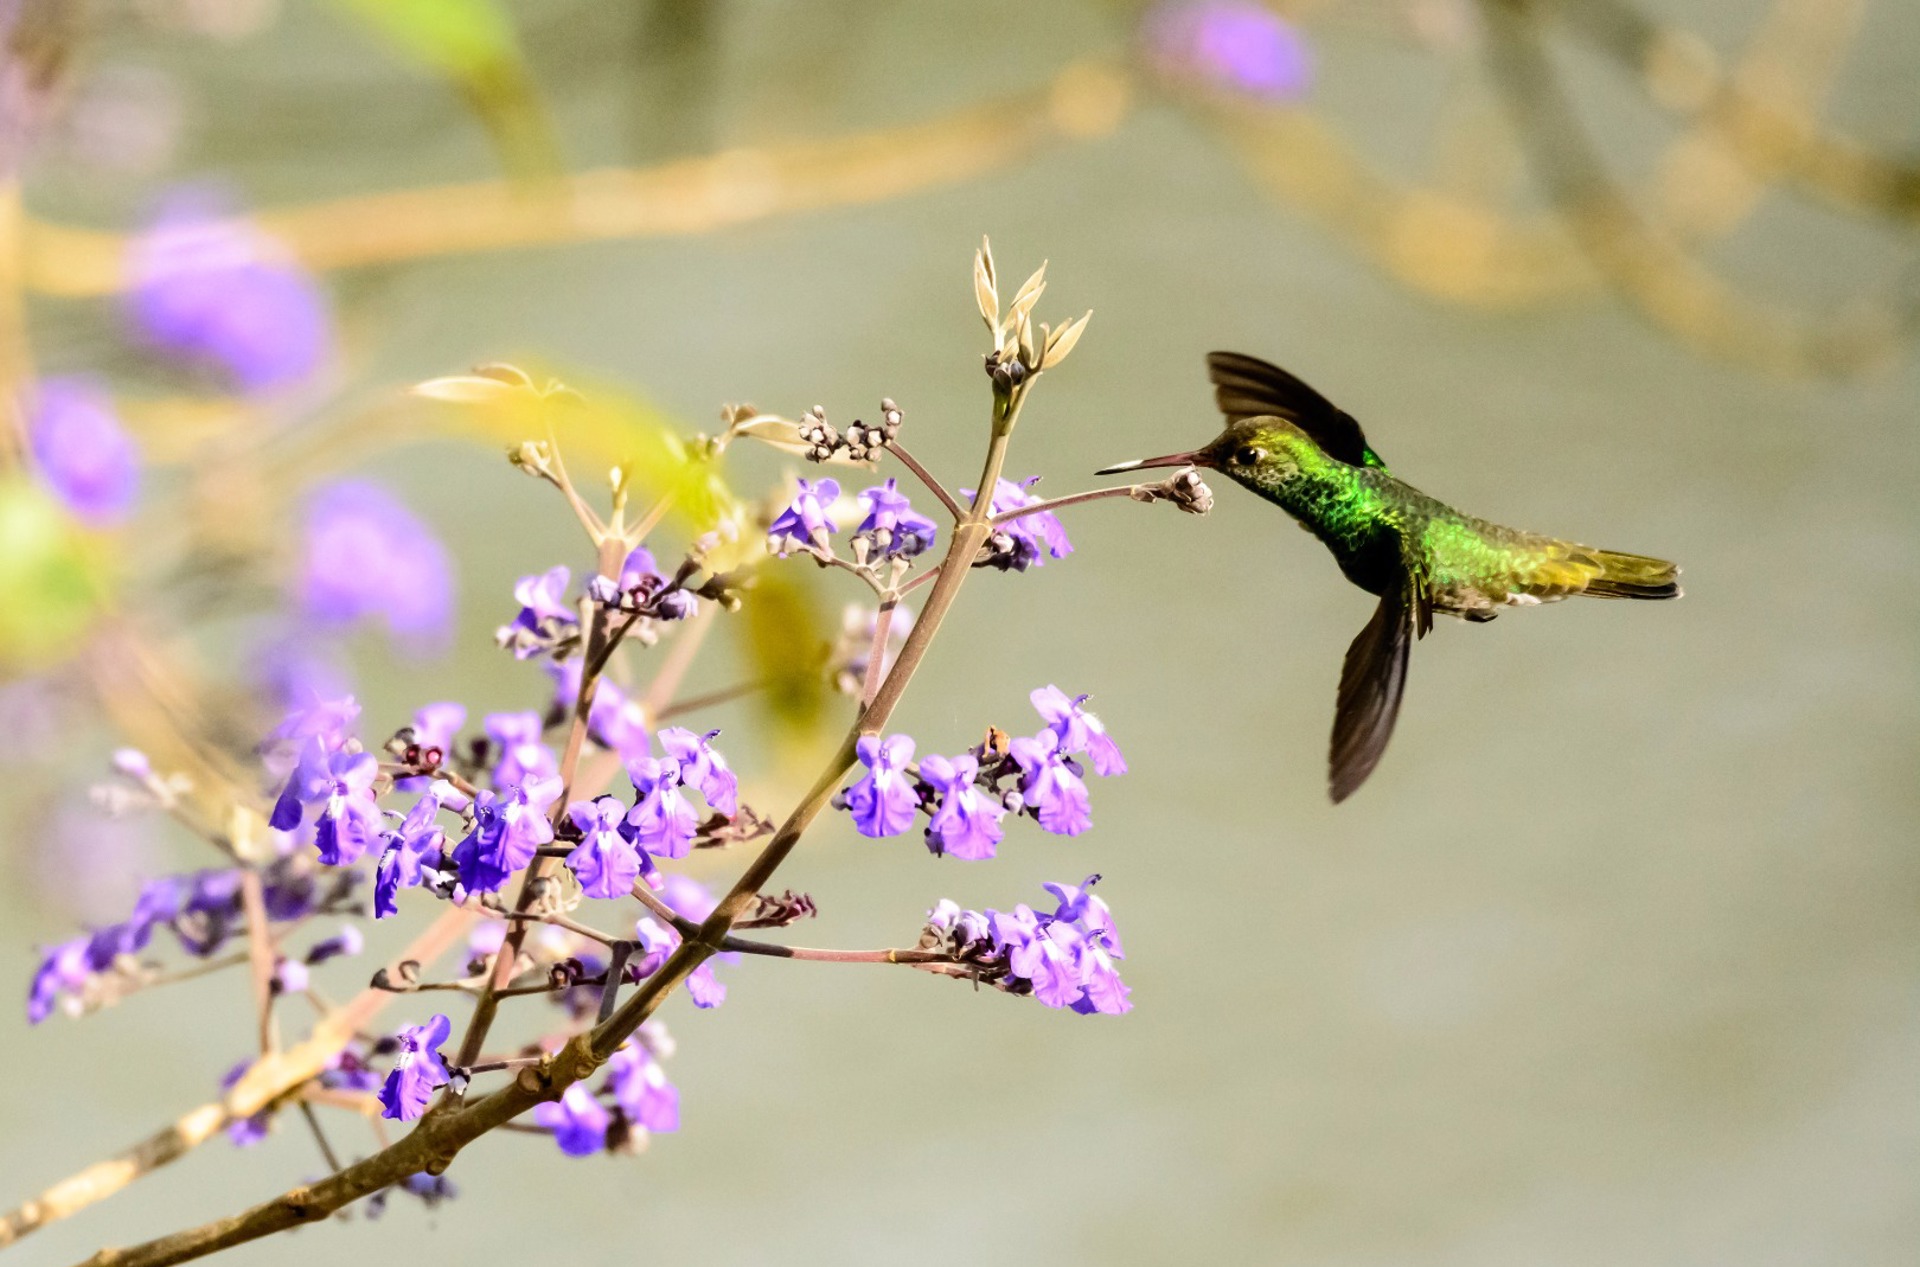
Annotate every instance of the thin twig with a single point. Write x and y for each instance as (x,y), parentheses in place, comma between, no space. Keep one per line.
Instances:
(259,953)
(1060,503)
(934,486)
(712,699)
(676,662)
(319,1135)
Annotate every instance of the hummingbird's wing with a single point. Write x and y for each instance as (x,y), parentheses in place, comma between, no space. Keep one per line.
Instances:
(1248,387)
(1373,679)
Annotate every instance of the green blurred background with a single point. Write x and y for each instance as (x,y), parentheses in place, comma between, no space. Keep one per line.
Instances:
(1614,960)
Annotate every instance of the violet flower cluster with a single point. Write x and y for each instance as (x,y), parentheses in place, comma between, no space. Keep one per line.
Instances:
(1064,958)
(966,797)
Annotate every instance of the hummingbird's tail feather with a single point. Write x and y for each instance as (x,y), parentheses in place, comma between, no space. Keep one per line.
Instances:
(1633,576)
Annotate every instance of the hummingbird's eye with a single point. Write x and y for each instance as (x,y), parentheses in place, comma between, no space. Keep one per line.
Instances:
(1249,455)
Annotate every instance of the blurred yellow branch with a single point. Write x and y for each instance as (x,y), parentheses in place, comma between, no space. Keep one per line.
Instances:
(679,198)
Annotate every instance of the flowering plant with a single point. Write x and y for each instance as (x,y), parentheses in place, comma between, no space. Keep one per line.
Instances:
(565,892)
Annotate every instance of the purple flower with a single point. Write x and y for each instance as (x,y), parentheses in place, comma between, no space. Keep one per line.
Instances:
(1238,45)
(210,911)
(578,1121)
(437,725)
(702,767)
(1078,905)
(349,823)
(892,523)
(412,851)
(522,755)
(507,829)
(1036,536)
(543,596)
(418,1071)
(606,862)
(431,1189)
(1052,788)
(345,943)
(640,1087)
(690,900)
(63,970)
(244,1132)
(1078,730)
(967,823)
(614,721)
(885,800)
(349,1071)
(662,822)
(218,291)
(804,524)
(82,452)
(367,556)
(325,722)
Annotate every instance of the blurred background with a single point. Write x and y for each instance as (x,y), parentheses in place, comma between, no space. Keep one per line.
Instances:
(1615,958)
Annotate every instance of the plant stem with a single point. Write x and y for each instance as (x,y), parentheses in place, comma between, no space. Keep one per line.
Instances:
(934,486)
(1060,503)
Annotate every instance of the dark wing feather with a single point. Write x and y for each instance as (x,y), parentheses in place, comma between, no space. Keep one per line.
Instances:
(1248,387)
(1372,681)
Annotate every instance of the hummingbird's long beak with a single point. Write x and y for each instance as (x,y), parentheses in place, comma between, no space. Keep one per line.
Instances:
(1194,458)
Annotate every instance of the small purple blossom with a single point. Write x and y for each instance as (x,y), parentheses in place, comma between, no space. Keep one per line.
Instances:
(578,1121)
(516,737)
(414,849)
(605,861)
(967,822)
(1238,45)
(1066,959)
(640,1087)
(1036,537)
(244,1132)
(63,970)
(662,821)
(702,767)
(431,1189)
(892,523)
(418,1071)
(1052,788)
(884,802)
(82,452)
(614,720)
(507,829)
(218,291)
(349,822)
(437,725)
(805,523)
(366,556)
(1078,730)
(544,611)
(344,944)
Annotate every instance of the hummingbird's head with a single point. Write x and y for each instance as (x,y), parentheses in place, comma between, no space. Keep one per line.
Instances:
(1261,453)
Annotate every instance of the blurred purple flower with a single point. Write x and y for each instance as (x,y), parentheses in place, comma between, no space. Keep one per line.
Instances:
(63,970)
(244,1132)
(215,290)
(640,1087)
(82,452)
(418,1071)
(516,737)
(578,1121)
(366,555)
(1238,45)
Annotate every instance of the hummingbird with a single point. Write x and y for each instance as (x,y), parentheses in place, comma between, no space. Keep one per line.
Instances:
(1294,447)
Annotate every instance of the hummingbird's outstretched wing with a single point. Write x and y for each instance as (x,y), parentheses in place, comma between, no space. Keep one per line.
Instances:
(1248,387)
(1373,679)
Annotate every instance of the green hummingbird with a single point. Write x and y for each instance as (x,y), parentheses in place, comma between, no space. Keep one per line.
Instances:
(1292,446)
